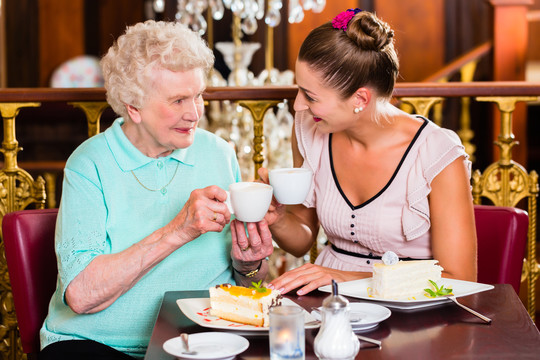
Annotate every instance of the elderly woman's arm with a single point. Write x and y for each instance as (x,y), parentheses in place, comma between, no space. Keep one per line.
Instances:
(109,276)
(94,289)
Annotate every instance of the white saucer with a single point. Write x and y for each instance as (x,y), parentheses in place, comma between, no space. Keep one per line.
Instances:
(208,345)
(197,310)
(371,315)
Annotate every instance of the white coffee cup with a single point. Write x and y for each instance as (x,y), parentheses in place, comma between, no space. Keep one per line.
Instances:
(291,185)
(249,201)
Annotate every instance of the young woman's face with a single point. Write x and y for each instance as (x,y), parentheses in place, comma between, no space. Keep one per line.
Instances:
(329,110)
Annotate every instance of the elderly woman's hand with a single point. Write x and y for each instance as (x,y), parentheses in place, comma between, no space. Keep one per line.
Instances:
(249,252)
(254,246)
(204,211)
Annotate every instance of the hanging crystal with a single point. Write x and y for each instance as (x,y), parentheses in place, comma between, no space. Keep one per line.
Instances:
(318,6)
(296,12)
(260,11)
(218,9)
(251,8)
(199,6)
(276,4)
(249,25)
(159,6)
(273,18)
(183,18)
(199,24)
(181,5)
(308,4)
(237,7)
(181,15)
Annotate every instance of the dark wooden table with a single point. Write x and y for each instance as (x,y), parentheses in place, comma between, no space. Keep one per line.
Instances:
(441,332)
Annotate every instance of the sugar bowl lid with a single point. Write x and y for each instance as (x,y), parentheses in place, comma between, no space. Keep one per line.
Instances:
(335,301)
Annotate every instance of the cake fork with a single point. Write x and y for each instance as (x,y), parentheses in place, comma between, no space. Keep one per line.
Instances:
(485,318)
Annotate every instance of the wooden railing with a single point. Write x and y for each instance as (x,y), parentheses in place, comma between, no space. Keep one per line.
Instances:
(462,65)
(504,182)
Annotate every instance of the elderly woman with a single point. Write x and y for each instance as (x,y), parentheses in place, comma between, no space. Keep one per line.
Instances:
(142,207)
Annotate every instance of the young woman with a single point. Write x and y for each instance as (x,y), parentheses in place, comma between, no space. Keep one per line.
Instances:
(383,179)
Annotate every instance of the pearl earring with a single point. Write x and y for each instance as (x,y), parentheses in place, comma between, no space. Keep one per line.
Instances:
(358,109)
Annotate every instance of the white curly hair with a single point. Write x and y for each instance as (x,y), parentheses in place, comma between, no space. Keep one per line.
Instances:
(144,46)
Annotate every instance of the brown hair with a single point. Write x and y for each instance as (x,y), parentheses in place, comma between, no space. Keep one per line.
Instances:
(362,55)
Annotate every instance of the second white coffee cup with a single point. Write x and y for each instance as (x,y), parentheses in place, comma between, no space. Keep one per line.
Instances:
(249,201)
(291,185)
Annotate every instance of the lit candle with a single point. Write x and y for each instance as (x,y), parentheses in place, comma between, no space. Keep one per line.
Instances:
(286,334)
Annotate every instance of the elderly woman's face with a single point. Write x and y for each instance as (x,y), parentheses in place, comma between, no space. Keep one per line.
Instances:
(171,112)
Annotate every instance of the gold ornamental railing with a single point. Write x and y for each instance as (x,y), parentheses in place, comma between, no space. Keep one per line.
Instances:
(504,182)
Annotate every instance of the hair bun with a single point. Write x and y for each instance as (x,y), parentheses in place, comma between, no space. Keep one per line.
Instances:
(370,33)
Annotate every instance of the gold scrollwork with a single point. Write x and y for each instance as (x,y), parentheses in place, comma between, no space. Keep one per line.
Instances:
(93,112)
(17,191)
(422,105)
(258,108)
(505,183)
(504,186)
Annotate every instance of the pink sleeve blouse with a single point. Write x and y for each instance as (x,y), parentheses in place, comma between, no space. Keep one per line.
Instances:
(396,219)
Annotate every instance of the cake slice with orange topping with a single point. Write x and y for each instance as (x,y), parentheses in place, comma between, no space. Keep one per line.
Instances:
(243,305)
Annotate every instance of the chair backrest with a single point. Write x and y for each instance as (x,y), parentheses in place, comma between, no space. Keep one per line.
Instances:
(29,246)
(502,241)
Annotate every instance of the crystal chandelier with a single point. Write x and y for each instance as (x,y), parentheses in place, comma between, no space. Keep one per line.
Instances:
(190,12)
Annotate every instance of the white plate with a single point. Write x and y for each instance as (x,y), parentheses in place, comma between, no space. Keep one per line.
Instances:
(359,289)
(371,315)
(208,345)
(197,310)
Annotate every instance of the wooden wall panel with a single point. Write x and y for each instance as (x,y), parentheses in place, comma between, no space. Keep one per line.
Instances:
(61,34)
(534,32)
(112,18)
(68,28)
(418,24)
(22,54)
(3,47)
(419,32)
(298,32)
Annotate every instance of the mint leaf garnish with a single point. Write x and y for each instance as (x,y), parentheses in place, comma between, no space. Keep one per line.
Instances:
(257,286)
(439,291)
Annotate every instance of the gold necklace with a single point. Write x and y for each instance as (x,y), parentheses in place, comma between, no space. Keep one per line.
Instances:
(164,186)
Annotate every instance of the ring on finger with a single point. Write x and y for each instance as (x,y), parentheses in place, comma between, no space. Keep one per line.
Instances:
(214,218)
(245,249)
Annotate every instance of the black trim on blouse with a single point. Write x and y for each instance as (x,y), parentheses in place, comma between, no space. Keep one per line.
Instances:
(353,207)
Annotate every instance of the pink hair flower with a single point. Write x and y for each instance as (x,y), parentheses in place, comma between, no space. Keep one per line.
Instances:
(342,20)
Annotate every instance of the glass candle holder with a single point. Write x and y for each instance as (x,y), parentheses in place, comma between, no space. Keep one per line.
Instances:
(287,337)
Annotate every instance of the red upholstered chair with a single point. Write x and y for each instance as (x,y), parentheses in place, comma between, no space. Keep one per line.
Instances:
(502,241)
(29,245)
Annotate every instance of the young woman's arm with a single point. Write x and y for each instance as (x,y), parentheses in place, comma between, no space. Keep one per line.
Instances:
(453,231)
